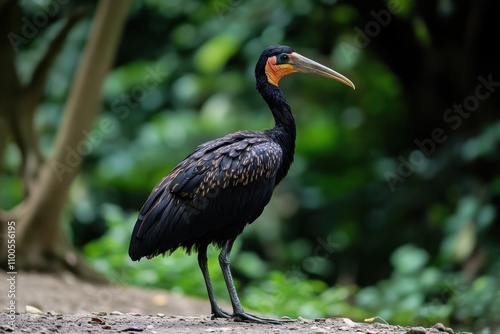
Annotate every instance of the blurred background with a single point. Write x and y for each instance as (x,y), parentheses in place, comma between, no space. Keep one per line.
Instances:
(391,206)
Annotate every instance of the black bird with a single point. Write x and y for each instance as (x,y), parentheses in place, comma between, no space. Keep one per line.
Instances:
(225,183)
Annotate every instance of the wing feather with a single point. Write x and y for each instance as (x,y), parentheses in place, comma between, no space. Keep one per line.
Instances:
(209,197)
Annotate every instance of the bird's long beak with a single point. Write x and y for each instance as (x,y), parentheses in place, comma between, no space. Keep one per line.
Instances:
(305,65)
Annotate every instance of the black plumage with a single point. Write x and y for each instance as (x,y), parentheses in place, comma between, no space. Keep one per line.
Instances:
(225,183)
(210,196)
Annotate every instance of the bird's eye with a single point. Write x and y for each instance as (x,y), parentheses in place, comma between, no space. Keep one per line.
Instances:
(283,58)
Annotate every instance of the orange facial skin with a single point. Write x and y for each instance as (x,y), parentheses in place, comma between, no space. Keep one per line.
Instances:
(275,72)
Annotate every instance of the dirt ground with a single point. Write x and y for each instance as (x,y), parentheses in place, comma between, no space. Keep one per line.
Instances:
(48,304)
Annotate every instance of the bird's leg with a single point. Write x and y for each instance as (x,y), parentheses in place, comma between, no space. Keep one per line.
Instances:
(217,312)
(238,313)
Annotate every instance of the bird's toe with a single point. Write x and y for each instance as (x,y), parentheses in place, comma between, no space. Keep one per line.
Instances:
(220,313)
(247,317)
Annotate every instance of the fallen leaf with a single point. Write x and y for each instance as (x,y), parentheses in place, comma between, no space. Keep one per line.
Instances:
(375,318)
(32,310)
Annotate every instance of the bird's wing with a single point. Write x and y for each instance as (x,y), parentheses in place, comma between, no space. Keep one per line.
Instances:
(235,164)
(225,182)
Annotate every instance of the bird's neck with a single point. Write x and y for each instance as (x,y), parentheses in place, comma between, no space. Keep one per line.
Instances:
(284,131)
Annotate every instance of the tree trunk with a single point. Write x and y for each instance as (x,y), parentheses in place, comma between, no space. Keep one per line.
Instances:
(41,243)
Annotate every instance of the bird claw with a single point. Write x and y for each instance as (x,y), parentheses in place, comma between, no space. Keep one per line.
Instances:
(247,317)
(220,313)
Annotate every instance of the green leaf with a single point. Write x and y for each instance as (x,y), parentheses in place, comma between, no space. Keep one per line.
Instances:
(215,53)
(409,259)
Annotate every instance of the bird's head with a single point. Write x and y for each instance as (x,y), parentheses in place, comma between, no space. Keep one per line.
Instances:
(276,61)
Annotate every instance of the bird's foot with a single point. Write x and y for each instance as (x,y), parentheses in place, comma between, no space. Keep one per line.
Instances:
(247,317)
(220,313)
